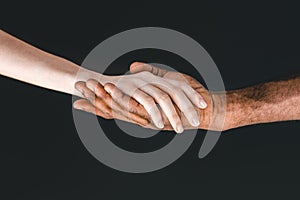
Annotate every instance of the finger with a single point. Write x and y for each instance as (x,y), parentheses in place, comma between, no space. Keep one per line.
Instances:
(180,100)
(140,97)
(97,102)
(126,102)
(96,87)
(166,105)
(87,106)
(84,90)
(102,102)
(192,94)
(139,67)
(118,110)
(106,104)
(189,91)
(105,100)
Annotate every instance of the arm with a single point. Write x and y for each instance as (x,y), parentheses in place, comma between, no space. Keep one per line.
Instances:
(26,63)
(267,102)
(263,103)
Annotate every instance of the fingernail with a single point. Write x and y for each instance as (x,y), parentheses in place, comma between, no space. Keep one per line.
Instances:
(202,104)
(160,124)
(179,129)
(195,122)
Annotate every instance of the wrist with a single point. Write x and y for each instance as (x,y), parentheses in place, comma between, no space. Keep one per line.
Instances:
(224,111)
(213,116)
(218,112)
(237,111)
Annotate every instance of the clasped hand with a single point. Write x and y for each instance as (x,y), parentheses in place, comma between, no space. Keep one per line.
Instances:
(151,97)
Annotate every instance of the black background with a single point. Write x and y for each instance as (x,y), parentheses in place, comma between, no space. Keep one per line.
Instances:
(42,156)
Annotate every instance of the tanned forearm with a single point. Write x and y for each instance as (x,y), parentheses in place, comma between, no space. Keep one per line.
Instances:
(268,102)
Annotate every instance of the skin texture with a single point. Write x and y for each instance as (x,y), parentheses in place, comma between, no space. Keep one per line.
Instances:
(24,62)
(267,102)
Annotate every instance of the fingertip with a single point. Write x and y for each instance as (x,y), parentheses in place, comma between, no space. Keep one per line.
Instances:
(136,67)
(91,81)
(202,104)
(79,84)
(109,87)
(156,116)
(160,124)
(135,64)
(77,104)
(195,122)
(179,128)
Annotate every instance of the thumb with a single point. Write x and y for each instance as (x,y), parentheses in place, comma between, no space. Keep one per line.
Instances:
(137,67)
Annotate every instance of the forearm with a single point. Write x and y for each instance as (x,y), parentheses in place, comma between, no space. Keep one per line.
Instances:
(24,62)
(268,102)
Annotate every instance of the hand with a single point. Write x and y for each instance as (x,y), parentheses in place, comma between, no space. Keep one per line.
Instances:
(148,89)
(122,107)
(205,115)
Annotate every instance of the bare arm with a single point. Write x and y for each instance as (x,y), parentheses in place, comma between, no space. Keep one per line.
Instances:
(24,62)
(267,102)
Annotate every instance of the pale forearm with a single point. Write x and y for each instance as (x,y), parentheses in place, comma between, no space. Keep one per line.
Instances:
(24,62)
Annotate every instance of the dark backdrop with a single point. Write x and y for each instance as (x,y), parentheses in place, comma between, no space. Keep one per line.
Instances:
(42,156)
